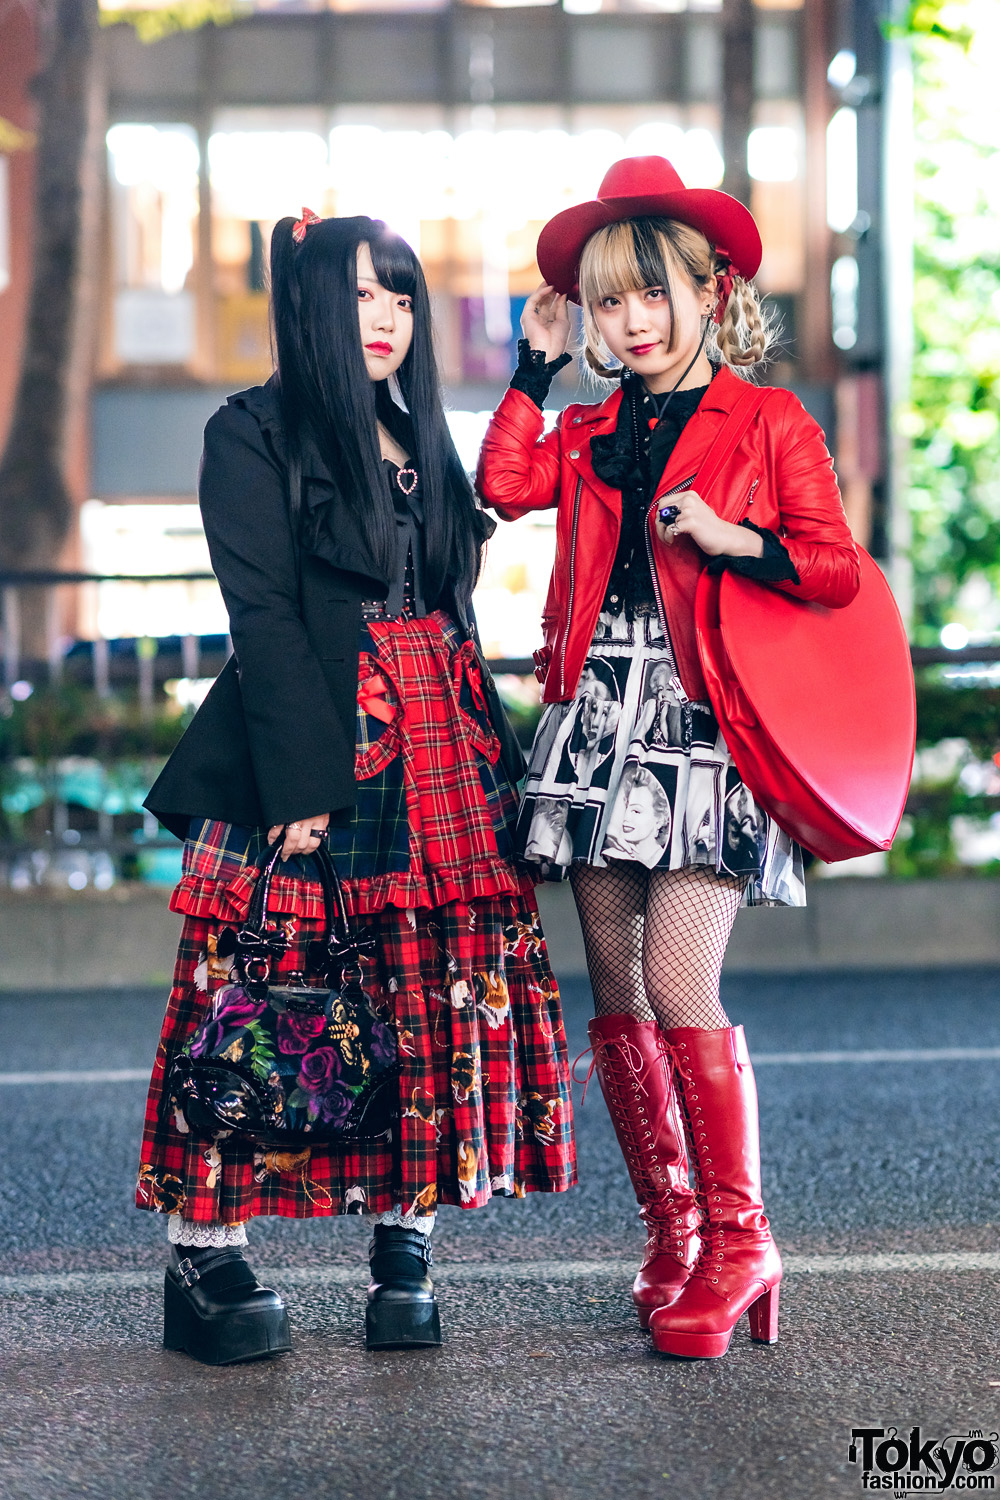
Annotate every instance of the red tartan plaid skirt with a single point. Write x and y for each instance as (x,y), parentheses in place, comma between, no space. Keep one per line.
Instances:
(461,968)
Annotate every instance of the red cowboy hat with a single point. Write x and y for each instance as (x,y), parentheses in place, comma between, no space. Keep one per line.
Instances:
(632,188)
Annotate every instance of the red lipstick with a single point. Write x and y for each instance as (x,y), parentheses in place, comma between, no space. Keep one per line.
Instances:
(379,348)
(640,349)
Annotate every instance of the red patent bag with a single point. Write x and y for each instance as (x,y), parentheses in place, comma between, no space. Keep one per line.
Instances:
(815,704)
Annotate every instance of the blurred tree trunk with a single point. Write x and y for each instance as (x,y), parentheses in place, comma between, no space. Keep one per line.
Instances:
(35,505)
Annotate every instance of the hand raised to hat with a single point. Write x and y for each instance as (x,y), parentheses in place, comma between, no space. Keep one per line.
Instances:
(707,530)
(545,322)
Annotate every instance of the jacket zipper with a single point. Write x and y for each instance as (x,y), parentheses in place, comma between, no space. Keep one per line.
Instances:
(753,491)
(675,681)
(572,582)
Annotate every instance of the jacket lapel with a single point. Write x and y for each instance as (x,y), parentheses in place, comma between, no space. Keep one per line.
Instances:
(576,450)
(335,537)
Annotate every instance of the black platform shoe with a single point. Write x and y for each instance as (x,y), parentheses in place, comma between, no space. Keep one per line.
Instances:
(402,1311)
(216,1310)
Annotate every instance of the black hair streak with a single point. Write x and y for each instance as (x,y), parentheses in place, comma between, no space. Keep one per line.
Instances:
(653,270)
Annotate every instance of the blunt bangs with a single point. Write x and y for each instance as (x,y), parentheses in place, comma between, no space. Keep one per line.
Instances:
(395,264)
(625,257)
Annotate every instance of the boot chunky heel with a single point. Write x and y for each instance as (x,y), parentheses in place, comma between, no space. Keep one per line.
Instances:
(703,1327)
(764,1317)
(402,1309)
(215,1309)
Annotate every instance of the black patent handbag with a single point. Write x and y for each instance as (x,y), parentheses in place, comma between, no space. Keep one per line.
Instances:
(290,1063)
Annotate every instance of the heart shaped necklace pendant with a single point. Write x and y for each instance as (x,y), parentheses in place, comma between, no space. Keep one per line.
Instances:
(407,488)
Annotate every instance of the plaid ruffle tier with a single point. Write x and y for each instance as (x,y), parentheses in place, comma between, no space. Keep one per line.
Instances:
(461,967)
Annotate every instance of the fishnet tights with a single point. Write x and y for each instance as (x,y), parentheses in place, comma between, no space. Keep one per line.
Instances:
(655,940)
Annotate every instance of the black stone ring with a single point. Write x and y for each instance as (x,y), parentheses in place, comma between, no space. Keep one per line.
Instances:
(319,833)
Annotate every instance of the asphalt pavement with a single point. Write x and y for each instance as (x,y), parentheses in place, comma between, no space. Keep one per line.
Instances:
(881,1141)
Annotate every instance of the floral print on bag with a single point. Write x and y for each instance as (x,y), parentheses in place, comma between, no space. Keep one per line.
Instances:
(309,1066)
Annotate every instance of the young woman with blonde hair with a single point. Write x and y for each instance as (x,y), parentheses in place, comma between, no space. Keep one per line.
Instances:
(671,318)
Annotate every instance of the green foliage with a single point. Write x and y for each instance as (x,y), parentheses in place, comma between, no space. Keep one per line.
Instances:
(934,18)
(954,414)
(262,1060)
(925,845)
(72,720)
(184,15)
(957,728)
(971,713)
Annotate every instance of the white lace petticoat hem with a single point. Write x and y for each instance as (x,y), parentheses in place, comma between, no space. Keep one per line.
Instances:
(405,1220)
(205,1236)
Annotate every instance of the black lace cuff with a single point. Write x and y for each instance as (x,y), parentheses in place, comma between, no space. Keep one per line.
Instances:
(533,376)
(774,566)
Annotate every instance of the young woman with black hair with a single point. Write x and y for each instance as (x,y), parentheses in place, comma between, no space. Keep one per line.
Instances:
(657,833)
(356,710)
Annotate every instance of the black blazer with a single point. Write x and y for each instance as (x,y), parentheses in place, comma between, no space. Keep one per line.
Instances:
(274,740)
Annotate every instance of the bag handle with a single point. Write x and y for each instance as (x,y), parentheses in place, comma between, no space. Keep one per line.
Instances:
(255,943)
(731,435)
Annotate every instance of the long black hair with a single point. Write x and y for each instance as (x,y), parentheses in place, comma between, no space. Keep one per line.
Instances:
(326,391)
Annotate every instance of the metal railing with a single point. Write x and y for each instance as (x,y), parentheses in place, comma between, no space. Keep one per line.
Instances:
(74,821)
(159,658)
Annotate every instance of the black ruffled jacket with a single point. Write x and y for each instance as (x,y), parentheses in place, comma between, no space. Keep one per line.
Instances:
(275,738)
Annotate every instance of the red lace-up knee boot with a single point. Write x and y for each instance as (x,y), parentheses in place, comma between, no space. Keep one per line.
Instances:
(739,1268)
(635,1071)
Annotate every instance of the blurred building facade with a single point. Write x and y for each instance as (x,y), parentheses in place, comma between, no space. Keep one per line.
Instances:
(465,126)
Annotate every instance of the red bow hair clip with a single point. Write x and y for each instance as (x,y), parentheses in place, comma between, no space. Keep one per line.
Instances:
(301,225)
(723,285)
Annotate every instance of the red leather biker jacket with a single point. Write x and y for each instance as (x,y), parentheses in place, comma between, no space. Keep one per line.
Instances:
(780,477)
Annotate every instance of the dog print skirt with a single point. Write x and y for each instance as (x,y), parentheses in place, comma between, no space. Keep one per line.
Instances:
(460,968)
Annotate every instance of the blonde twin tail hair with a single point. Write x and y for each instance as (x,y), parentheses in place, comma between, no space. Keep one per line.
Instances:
(636,253)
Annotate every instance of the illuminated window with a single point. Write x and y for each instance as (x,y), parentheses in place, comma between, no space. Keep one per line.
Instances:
(661,7)
(842,170)
(773,153)
(154,191)
(844,283)
(153,539)
(262,165)
(776,162)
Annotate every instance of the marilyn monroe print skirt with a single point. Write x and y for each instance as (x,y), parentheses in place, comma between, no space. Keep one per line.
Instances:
(629,771)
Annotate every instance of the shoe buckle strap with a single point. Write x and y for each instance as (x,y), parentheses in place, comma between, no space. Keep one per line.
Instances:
(188,1271)
(417,1244)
